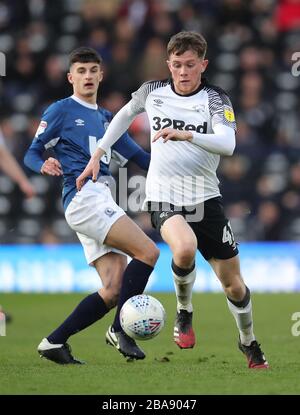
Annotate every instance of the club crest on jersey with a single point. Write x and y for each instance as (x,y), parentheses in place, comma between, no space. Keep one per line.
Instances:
(228,113)
(199,108)
(109,212)
(41,128)
(79,122)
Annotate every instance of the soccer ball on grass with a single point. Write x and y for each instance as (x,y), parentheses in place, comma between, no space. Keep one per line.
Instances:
(142,317)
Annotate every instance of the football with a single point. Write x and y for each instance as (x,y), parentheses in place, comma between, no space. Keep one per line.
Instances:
(142,317)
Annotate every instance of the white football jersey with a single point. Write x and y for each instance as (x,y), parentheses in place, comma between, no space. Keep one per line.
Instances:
(181,172)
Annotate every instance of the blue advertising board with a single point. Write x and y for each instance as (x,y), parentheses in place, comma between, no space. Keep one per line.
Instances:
(266,267)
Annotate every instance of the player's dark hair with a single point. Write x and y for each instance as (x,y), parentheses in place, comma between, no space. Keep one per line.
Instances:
(84,55)
(183,41)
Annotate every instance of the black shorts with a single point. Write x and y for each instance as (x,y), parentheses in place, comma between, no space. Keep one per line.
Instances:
(213,231)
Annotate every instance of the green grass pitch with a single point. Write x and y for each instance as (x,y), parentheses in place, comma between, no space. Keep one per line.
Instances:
(214,366)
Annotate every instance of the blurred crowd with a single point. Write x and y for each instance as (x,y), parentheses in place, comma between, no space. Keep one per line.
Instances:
(251,48)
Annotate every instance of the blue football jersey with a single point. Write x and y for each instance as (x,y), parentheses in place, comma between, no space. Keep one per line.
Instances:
(72,129)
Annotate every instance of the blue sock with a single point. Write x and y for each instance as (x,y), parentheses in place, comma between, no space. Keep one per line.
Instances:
(91,309)
(135,279)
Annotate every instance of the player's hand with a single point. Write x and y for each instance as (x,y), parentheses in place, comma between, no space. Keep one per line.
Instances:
(52,167)
(92,169)
(27,189)
(173,135)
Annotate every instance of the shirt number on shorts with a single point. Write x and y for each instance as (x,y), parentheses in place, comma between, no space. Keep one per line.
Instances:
(228,235)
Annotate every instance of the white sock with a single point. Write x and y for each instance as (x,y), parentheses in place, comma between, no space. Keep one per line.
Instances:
(184,289)
(244,321)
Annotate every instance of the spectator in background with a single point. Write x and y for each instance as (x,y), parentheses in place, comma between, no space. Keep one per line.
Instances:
(154,52)
(54,85)
(290,202)
(10,166)
(99,40)
(122,65)
(114,101)
(266,224)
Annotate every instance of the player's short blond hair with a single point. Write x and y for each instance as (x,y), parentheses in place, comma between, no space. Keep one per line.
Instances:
(187,40)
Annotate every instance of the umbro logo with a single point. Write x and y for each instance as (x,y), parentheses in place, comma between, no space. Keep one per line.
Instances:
(79,122)
(158,102)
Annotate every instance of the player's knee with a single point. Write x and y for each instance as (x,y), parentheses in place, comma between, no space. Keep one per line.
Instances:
(153,254)
(110,295)
(150,254)
(114,296)
(235,290)
(184,255)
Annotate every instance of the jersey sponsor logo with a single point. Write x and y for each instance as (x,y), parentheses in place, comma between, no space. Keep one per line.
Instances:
(228,113)
(41,128)
(79,122)
(159,124)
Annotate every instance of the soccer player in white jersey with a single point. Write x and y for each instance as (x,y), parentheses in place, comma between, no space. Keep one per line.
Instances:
(72,127)
(192,125)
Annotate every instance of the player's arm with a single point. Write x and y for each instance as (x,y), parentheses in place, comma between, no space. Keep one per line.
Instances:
(46,136)
(34,160)
(221,142)
(127,149)
(10,166)
(142,158)
(115,130)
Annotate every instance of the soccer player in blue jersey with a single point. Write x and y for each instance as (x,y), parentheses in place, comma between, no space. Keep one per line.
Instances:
(72,127)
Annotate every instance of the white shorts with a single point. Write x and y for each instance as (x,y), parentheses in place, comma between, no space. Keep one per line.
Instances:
(91,213)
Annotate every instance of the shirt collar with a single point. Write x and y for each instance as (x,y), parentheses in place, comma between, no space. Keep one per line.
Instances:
(85,104)
(203,82)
